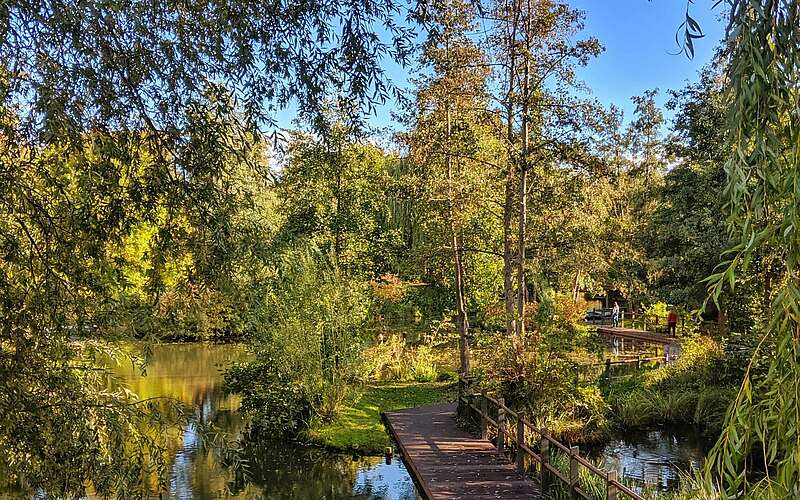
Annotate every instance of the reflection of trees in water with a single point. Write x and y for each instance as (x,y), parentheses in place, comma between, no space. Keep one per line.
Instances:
(287,471)
(204,470)
(191,374)
(656,457)
(198,470)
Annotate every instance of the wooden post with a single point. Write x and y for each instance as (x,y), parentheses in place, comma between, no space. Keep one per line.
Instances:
(544,451)
(484,415)
(608,367)
(520,442)
(573,472)
(611,489)
(683,331)
(638,361)
(501,427)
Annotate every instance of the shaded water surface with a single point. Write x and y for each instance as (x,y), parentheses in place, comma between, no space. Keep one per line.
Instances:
(280,470)
(654,459)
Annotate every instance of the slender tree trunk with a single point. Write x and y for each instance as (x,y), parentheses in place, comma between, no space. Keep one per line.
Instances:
(508,207)
(462,320)
(523,200)
(337,242)
(575,286)
(508,249)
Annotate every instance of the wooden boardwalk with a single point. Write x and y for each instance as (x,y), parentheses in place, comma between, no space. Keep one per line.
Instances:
(641,335)
(448,463)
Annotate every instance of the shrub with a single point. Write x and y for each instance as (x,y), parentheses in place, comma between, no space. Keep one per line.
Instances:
(277,404)
(694,367)
(659,309)
(385,360)
(307,354)
(539,381)
(684,391)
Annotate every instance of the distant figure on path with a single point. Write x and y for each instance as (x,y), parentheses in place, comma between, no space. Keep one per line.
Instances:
(672,322)
(615,315)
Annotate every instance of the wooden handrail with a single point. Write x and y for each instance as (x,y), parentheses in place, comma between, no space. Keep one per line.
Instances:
(511,432)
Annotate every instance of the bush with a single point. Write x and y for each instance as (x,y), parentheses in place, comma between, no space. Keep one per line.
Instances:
(277,404)
(538,377)
(659,310)
(695,367)
(385,360)
(308,352)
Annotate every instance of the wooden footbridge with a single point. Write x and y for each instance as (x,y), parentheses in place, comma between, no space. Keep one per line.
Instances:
(640,327)
(640,335)
(509,459)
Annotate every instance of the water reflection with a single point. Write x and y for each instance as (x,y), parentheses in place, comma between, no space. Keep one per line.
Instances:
(291,472)
(655,458)
(192,373)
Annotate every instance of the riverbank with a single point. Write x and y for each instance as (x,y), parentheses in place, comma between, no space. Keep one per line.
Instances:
(359,429)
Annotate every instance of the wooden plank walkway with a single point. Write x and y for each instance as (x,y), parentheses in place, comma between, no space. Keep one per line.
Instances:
(642,335)
(449,463)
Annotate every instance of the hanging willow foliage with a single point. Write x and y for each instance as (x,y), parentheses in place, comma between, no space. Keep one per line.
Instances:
(763,197)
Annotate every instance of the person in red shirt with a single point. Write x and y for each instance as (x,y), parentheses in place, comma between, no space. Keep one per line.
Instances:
(672,322)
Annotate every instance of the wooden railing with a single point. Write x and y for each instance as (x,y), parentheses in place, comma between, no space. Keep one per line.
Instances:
(516,434)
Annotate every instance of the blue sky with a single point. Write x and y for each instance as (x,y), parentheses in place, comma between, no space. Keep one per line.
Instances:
(639,41)
(639,38)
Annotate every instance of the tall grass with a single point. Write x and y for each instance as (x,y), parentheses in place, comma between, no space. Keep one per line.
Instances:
(393,360)
(692,486)
(685,391)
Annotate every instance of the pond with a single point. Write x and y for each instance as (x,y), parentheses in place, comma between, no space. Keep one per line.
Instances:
(655,459)
(279,470)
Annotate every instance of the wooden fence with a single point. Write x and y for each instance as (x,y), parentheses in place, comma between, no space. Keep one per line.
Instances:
(527,442)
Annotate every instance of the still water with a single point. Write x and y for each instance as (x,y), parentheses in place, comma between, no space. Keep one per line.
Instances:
(654,459)
(192,374)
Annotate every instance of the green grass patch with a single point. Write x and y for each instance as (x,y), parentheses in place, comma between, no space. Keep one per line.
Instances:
(358,427)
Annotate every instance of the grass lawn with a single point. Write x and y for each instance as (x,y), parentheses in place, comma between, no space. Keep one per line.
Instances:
(359,427)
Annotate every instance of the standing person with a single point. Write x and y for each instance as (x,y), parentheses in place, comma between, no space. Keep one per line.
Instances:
(615,315)
(672,322)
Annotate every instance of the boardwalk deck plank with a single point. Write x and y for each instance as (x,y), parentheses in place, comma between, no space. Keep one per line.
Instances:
(449,463)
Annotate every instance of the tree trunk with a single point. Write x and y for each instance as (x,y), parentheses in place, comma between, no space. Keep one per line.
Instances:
(337,241)
(462,320)
(508,206)
(523,200)
(508,250)
(575,286)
